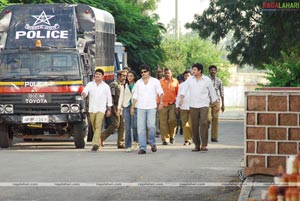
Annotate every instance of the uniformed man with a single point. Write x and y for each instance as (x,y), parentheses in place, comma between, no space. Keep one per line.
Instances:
(213,115)
(116,121)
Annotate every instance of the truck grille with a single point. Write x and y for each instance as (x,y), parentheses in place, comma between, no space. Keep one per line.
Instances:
(51,107)
(36,109)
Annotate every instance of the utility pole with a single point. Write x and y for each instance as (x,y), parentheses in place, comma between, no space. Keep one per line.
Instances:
(176,20)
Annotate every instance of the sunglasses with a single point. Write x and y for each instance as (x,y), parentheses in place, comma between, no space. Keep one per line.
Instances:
(144,71)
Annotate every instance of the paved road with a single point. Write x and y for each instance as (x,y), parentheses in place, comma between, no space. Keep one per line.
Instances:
(49,168)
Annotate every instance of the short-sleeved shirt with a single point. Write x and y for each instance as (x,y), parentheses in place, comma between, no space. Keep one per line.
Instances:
(146,94)
(217,83)
(99,96)
(170,90)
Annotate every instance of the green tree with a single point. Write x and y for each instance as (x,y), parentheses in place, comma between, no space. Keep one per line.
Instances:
(140,33)
(145,5)
(3,3)
(190,49)
(285,71)
(257,34)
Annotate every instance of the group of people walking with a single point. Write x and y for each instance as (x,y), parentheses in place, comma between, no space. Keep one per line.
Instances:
(140,109)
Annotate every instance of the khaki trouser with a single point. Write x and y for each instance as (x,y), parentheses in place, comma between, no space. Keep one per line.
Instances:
(117,122)
(96,122)
(168,122)
(199,119)
(186,125)
(213,119)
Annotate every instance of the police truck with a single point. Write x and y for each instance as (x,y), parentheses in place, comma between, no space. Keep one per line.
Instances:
(48,53)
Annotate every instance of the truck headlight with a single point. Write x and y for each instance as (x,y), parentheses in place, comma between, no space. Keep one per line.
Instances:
(78,98)
(75,108)
(1,109)
(64,108)
(9,108)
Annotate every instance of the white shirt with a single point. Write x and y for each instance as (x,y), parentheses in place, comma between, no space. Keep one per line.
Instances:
(125,96)
(185,105)
(201,91)
(146,94)
(99,96)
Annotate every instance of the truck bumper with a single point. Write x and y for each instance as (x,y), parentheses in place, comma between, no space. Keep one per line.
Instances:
(53,118)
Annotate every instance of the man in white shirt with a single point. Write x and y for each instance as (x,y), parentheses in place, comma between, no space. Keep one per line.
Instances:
(145,95)
(201,92)
(186,124)
(117,121)
(100,102)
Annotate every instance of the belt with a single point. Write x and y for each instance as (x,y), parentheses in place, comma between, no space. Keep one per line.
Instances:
(171,103)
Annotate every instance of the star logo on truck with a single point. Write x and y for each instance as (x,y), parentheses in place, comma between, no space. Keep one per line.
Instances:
(42,18)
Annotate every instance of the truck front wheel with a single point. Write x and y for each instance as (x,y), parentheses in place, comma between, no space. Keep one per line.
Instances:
(4,136)
(80,131)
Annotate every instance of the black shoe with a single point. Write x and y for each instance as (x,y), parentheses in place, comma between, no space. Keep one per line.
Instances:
(95,147)
(196,149)
(153,148)
(164,143)
(214,140)
(141,151)
(172,140)
(121,147)
(187,143)
(157,135)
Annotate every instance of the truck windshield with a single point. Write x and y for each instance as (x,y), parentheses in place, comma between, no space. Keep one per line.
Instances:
(39,65)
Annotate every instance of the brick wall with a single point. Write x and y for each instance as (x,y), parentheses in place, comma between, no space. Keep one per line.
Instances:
(272,129)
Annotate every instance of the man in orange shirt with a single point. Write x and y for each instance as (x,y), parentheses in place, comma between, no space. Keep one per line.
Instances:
(167,116)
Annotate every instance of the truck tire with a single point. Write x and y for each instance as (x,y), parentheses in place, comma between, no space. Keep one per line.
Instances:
(80,131)
(4,137)
(90,134)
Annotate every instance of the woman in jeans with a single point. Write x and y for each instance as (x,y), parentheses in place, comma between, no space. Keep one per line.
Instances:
(125,103)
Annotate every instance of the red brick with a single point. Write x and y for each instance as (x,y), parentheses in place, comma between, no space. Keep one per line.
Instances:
(266,119)
(256,133)
(295,103)
(288,119)
(256,161)
(277,103)
(251,119)
(276,161)
(287,148)
(260,170)
(266,147)
(294,133)
(277,134)
(250,147)
(256,103)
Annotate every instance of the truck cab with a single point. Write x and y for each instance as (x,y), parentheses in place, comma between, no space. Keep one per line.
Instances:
(49,53)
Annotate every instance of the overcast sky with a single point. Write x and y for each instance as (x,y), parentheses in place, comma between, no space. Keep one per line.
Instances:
(186,10)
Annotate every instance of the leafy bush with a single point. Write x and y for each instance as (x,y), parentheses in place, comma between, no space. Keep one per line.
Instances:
(285,71)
